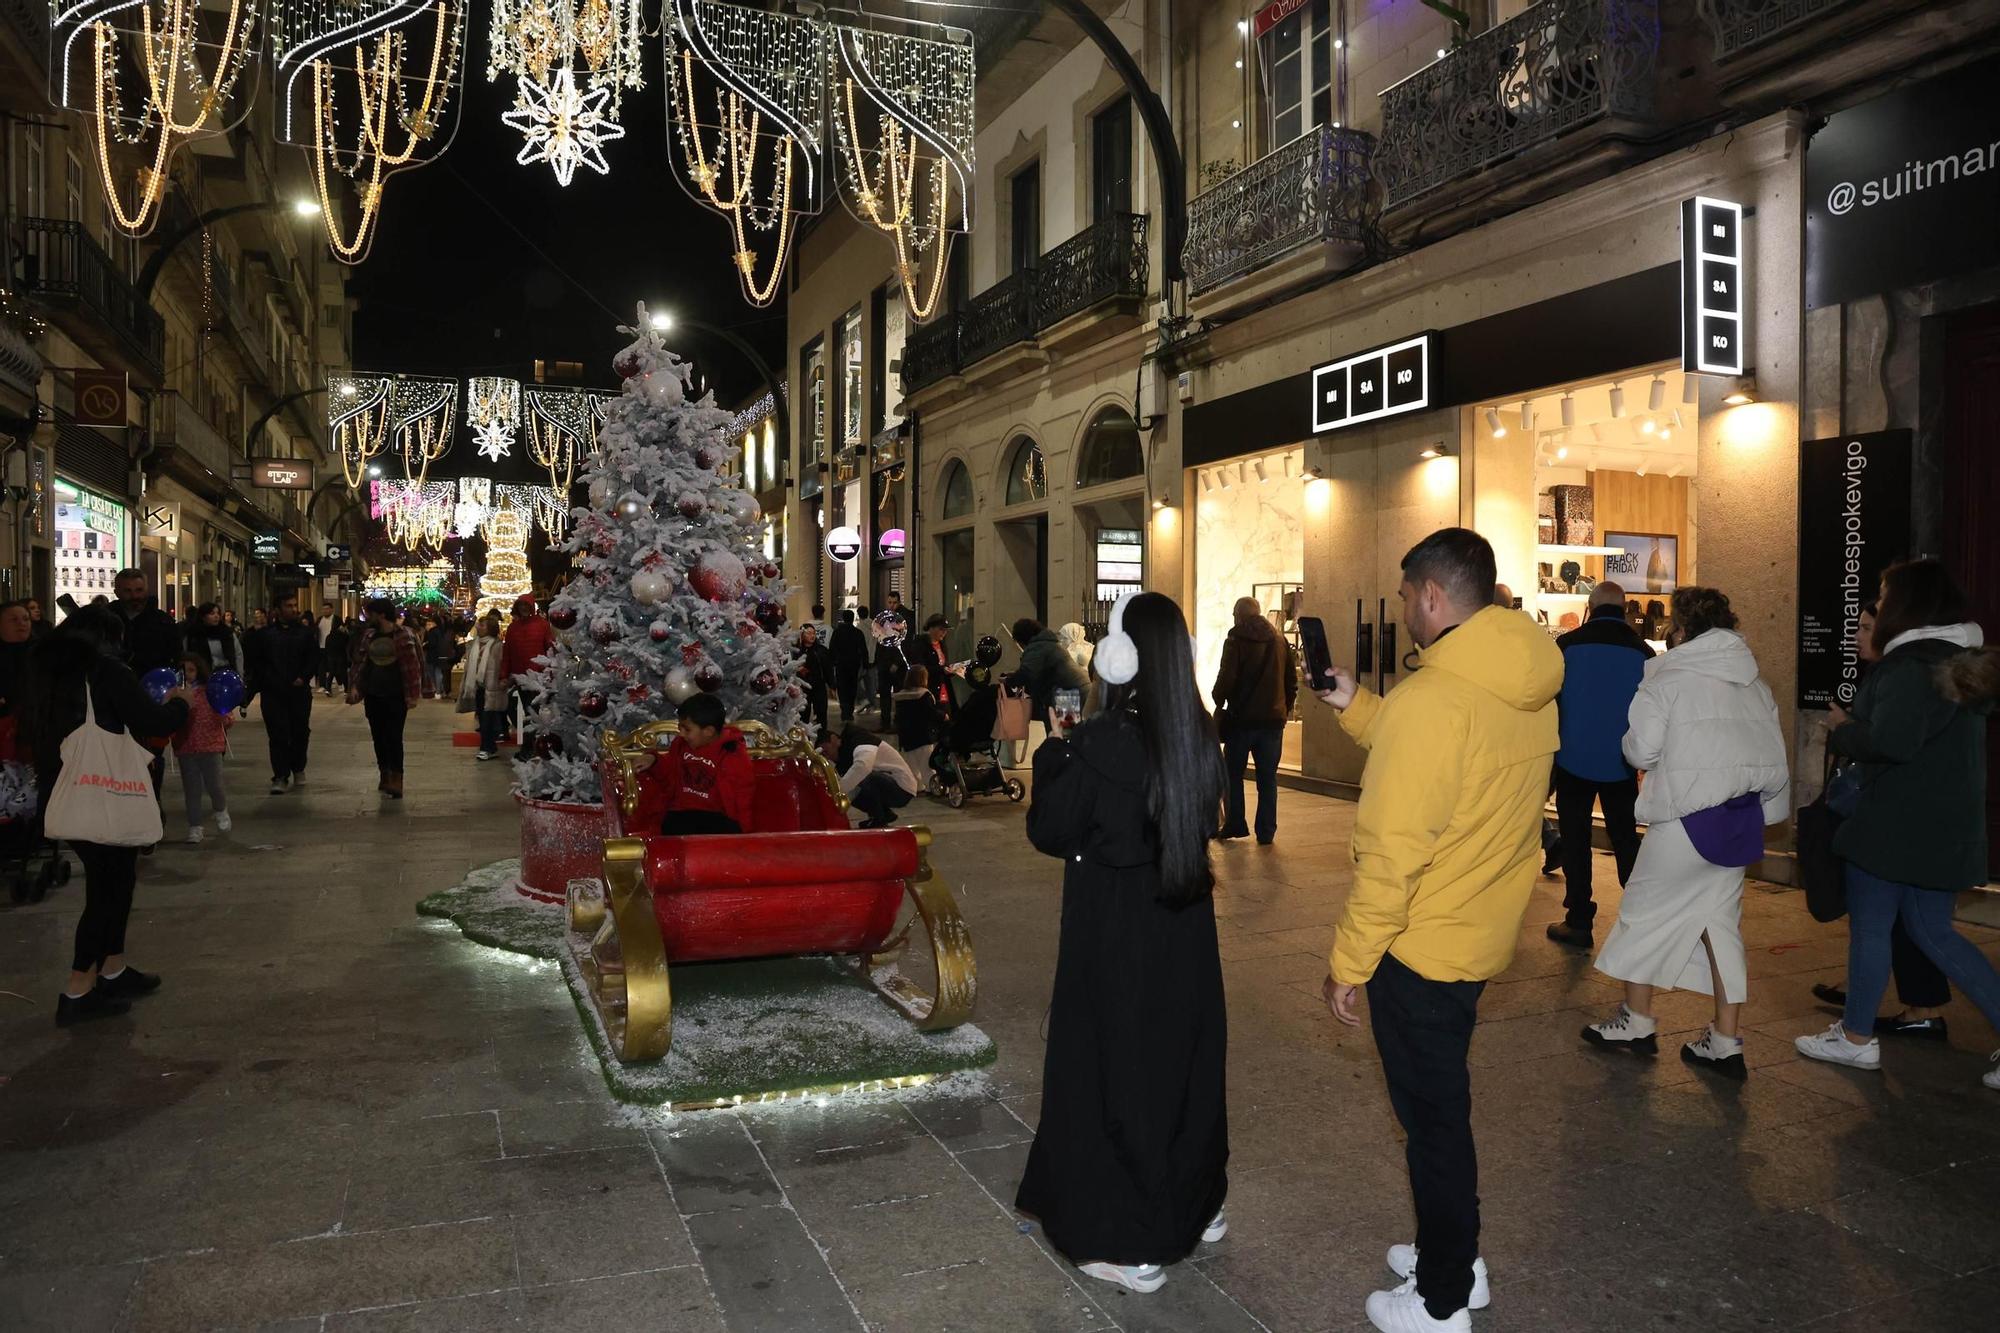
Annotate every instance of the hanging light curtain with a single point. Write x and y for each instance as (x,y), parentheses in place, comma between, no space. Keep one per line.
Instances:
(151,76)
(562,427)
(366,89)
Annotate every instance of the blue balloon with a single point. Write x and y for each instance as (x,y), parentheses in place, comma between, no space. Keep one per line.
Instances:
(160,682)
(225,690)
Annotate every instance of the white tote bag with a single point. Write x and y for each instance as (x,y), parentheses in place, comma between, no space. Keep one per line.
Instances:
(105,790)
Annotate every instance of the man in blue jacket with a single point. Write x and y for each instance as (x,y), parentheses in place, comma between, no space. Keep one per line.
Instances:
(1603,661)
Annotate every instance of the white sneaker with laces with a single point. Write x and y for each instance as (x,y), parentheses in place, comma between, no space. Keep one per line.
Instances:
(1403,1263)
(1218,1226)
(194,834)
(278,786)
(222,820)
(1625,1031)
(1142,1278)
(1833,1047)
(1991,1078)
(1402,1311)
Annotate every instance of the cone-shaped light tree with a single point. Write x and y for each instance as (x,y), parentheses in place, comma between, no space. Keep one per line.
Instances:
(672,592)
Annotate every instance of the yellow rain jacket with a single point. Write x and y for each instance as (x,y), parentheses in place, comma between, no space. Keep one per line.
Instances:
(1447,839)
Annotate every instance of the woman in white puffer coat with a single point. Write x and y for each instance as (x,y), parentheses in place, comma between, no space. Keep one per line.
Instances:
(1704,730)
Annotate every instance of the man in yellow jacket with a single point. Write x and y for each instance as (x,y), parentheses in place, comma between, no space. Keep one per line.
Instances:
(1447,844)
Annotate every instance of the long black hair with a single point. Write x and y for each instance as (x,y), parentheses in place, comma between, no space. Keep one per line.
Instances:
(1184,758)
(60,668)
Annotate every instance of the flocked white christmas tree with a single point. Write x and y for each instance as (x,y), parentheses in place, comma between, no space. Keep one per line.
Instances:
(672,592)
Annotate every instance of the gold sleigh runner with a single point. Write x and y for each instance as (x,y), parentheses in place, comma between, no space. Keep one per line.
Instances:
(615,926)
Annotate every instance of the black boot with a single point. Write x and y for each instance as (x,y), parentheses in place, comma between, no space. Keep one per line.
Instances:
(74,1009)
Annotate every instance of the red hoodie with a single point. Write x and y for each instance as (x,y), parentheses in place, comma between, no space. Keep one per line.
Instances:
(528,638)
(716,777)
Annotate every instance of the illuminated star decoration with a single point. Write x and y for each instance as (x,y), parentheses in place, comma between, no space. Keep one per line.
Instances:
(496,439)
(565,127)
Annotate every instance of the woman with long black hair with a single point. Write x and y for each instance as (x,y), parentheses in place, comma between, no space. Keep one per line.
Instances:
(1127,1170)
(86,653)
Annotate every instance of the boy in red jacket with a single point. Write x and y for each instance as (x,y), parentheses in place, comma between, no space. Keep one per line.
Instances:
(706,772)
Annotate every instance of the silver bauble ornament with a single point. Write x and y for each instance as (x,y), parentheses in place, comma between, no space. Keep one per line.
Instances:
(632,505)
(680,686)
(650,587)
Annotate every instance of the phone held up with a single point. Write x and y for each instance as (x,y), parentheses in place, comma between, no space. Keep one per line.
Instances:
(1068,707)
(1319,657)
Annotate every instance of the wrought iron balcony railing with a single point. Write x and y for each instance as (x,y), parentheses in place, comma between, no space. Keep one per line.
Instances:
(1000,316)
(1106,261)
(1740,25)
(1317,189)
(62,267)
(1534,78)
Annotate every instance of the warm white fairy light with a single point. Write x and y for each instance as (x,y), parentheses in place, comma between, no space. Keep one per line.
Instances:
(415,514)
(397,63)
(563,125)
(493,410)
(562,427)
(186,59)
(424,416)
(357,421)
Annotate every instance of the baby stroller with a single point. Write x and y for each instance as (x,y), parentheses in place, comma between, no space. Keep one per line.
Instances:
(30,863)
(966,762)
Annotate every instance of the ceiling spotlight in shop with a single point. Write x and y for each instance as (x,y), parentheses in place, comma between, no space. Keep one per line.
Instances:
(1617,400)
(1690,388)
(1493,425)
(1656,397)
(1527,416)
(1208,483)
(1569,409)
(1262,475)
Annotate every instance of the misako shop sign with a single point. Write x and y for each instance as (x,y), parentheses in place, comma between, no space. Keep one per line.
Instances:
(1904,189)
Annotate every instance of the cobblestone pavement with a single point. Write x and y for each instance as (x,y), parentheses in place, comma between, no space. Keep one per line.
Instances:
(338,1116)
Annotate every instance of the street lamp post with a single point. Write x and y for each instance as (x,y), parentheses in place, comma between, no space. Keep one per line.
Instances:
(664,322)
(164,246)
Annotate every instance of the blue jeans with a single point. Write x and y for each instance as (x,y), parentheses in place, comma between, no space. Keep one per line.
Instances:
(1239,745)
(1874,905)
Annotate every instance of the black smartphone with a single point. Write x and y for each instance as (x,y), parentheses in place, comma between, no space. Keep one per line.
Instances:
(1319,658)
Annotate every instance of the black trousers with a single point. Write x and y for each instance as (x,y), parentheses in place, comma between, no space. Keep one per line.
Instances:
(385,727)
(288,727)
(108,876)
(1920,984)
(816,706)
(1574,796)
(847,681)
(1423,1030)
(879,797)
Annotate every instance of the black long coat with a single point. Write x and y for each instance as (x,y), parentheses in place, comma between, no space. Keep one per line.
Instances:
(1129,1162)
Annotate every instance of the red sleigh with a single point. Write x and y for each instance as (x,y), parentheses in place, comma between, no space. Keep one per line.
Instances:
(800,881)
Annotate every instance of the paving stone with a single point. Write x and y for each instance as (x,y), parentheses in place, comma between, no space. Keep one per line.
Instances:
(766,1273)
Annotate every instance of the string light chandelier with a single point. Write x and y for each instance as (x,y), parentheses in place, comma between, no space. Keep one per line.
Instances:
(562,427)
(415,514)
(903,121)
(151,75)
(475,502)
(425,412)
(366,89)
(573,60)
(365,414)
(493,410)
(357,421)
(746,98)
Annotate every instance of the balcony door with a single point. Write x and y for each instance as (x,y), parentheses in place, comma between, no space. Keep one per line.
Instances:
(1025,198)
(1296,62)
(1111,161)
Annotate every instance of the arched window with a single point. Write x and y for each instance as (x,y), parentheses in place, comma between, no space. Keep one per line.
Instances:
(1025,478)
(957,491)
(1111,449)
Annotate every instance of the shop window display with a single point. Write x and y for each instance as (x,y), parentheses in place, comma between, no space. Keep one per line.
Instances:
(90,542)
(1250,531)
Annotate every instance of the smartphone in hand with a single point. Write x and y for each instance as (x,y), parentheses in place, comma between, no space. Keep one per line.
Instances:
(1068,706)
(1319,657)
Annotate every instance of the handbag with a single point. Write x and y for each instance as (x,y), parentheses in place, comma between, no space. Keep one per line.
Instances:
(1010,717)
(104,793)
(1821,869)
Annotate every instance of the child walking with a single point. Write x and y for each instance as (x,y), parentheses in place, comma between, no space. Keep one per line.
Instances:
(199,746)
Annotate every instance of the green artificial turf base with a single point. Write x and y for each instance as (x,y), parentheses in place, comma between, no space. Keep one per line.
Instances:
(742,1031)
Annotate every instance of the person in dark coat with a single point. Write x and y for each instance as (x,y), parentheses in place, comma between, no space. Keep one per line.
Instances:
(1128,1169)
(1046,665)
(213,642)
(815,672)
(848,650)
(892,634)
(284,660)
(338,640)
(928,652)
(152,640)
(1255,688)
(83,657)
(1917,837)
(17,638)
(1603,661)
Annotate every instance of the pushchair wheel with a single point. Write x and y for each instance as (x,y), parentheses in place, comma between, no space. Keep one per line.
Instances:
(1016,789)
(954,796)
(935,787)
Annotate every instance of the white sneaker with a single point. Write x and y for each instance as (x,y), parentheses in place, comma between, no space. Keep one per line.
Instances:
(1402,1311)
(1625,1031)
(278,786)
(1991,1078)
(1142,1278)
(222,820)
(296,780)
(1218,1226)
(1833,1047)
(1403,1263)
(484,755)
(194,834)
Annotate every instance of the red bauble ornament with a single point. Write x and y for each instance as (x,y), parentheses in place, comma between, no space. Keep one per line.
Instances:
(690,653)
(691,506)
(771,571)
(706,458)
(658,631)
(708,676)
(764,681)
(719,577)
(562,617)
(591,705)
(547,744)
(627,365)
(604,631)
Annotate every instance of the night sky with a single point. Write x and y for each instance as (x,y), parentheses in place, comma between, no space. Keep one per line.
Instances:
(455,286)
